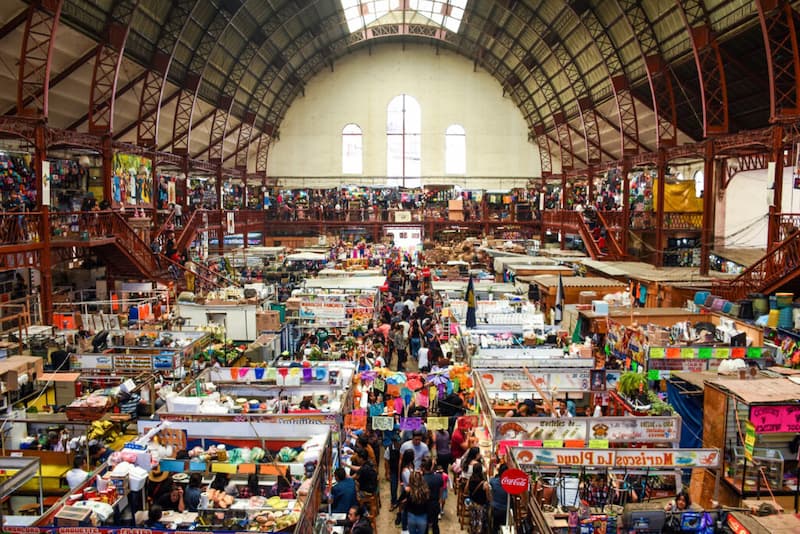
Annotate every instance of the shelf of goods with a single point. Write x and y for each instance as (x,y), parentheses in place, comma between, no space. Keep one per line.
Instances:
(265,394)
(17,377)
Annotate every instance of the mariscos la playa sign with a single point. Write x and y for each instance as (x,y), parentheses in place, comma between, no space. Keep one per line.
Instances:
(622,458)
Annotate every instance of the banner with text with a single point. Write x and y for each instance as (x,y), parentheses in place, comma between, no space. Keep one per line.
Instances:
(617,458)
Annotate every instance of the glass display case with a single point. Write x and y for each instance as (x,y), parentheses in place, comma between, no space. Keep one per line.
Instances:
(771,460)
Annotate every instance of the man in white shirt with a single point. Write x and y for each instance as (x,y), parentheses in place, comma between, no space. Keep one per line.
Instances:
(420,449)
(78,474)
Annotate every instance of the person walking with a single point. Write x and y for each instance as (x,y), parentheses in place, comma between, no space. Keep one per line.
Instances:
(391,466)
(478,495)
(417,504)
(435,483)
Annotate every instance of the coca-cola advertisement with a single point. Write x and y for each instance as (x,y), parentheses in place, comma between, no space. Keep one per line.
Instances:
(514,481)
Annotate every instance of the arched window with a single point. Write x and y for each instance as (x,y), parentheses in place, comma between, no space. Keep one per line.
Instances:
(699,184)
(455,150)
(351,149)
(404,142)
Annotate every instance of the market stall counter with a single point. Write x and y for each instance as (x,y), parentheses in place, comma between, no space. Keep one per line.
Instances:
(754,420)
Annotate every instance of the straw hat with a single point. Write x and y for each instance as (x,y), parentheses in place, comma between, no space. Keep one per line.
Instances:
(157,475)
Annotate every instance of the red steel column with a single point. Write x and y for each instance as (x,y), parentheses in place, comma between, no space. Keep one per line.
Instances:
(776,156)
(46,260)
(222,221)
(708,207)
(626,208)
(108,168)
(662,171)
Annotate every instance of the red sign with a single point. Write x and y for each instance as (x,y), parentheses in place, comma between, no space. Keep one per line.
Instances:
(735,526)
(514,481)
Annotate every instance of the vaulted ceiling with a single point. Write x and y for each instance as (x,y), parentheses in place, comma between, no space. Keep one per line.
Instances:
(572,68)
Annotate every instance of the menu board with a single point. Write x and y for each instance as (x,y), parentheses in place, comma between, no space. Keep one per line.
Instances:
(92,361)
(617,458)
(610,429)
(638,429)
(541,428)
(133,362)
(514,380)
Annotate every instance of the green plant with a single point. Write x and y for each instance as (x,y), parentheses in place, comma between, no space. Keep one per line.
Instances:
(630,382)
(658,406)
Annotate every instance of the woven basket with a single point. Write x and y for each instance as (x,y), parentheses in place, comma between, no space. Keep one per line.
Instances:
(87,413)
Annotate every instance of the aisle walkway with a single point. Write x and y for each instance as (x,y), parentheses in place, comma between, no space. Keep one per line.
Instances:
(385,524)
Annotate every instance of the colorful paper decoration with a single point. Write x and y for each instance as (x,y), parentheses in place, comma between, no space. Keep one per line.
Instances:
(393,390)
(410,423)
(353,421)
(438,423)
(382,423)
(379,384)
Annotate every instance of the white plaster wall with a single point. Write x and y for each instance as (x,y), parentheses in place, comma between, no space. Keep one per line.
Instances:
(747,201)
(359,90)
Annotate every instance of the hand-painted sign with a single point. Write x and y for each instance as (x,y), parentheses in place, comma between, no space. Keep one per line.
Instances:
(774,419)
(622,458)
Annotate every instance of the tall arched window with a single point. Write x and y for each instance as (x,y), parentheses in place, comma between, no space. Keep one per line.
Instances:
(455,150)
(351,149)
(699,184)
(404,142)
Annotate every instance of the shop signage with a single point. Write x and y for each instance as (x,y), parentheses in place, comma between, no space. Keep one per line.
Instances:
(749,440)
(514,481)
(620,458)
(510,380)
(541,428)
(635,429)
(774,419)
(610,429)
(703,353)
(492,359)
(133,361)
(92,361)
(735,526)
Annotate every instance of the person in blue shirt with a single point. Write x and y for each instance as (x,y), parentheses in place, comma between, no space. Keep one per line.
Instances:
(154,518)
(499,502)
(343,494)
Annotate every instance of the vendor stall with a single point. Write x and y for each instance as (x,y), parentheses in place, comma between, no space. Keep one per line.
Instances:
(754,421)
(231,310)
(598,489)
(573,287)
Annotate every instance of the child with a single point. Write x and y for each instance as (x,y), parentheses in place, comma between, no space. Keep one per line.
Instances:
(445,486)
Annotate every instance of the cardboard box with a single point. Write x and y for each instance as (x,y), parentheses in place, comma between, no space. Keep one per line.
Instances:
(73,516)
(268,321)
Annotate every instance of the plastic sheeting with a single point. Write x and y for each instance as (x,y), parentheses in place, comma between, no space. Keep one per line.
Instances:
(679,197)
(690,408)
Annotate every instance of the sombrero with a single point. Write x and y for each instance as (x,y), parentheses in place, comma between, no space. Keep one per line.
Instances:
(157,475)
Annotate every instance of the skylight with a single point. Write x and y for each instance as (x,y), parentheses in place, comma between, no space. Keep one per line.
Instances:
(361,14)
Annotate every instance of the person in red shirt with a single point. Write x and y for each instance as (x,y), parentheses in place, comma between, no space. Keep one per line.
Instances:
(458,441)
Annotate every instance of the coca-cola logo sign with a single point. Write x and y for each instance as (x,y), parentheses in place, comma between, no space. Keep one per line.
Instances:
(514,481)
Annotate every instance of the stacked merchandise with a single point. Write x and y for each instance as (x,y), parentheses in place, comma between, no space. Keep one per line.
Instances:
(16,175)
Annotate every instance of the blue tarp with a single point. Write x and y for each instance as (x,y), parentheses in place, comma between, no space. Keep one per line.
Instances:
(690,408)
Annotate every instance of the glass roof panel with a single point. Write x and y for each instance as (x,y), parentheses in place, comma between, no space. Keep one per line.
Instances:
(361,14)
